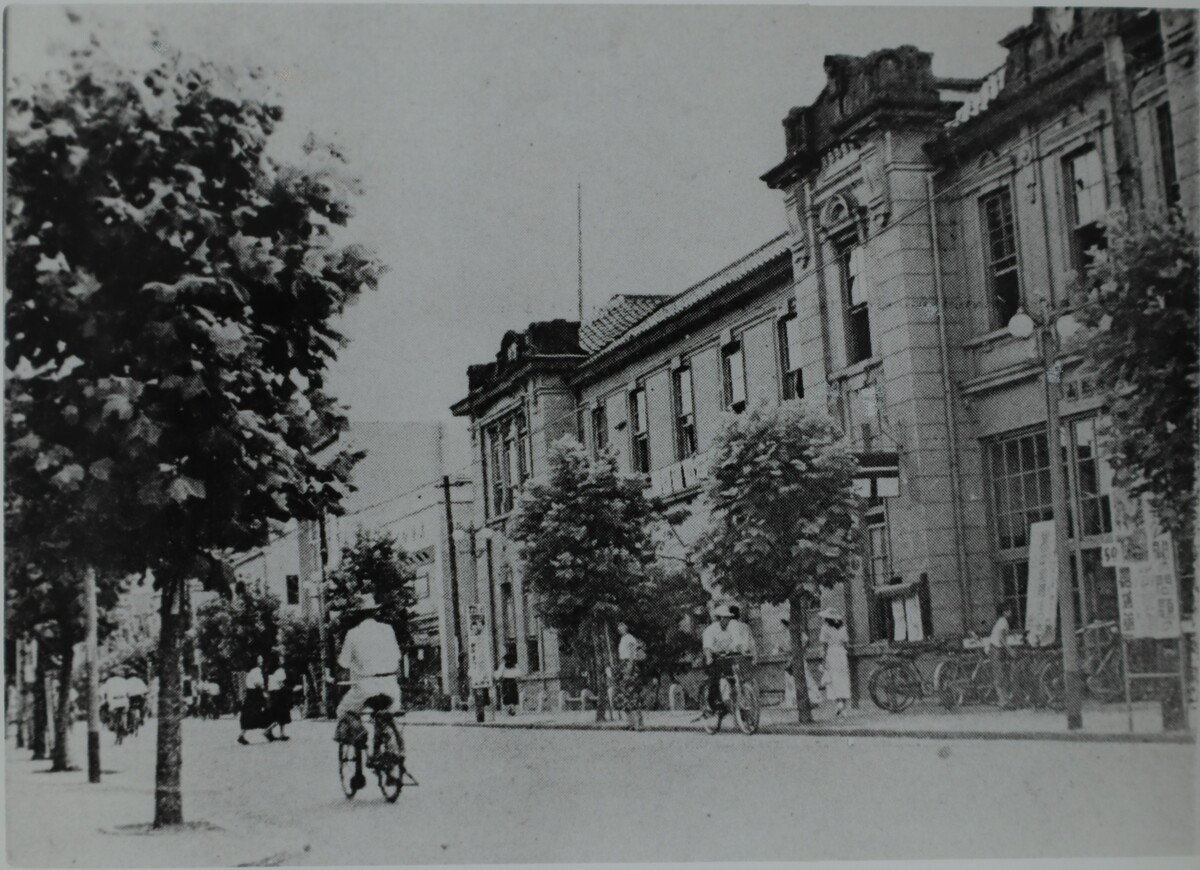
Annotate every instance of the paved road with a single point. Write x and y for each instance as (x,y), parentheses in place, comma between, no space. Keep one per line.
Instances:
(519,796)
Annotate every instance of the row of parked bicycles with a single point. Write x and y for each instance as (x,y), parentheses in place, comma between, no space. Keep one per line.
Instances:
(1034,675)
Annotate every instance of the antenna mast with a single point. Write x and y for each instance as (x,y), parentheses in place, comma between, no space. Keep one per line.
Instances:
(579,258)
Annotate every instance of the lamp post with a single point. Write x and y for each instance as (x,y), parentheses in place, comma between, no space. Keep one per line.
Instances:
(467,535)
(1049,330)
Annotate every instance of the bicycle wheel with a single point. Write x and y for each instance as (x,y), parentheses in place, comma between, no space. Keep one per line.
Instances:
(1052,685)
(1107,684)
(389,759)
(746,712)
(346,769)
(947,681)
(893,688)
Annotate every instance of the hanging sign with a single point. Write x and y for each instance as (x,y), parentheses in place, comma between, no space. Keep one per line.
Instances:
(479,651)
(1148,594)
(1041,604)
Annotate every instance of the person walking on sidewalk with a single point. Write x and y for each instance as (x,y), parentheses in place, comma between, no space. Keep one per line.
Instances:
(254,706)
(279,702)
(997,653)
(507,676)
(631,652)
(834,640)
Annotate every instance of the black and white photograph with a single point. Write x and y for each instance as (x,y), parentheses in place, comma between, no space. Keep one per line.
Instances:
(599,434)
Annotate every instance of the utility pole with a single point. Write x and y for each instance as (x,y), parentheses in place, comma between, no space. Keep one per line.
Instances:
(1124,131)
(458,645)
(322,630)
(93,677)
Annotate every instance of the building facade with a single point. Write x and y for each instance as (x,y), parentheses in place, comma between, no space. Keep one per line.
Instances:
(922,214)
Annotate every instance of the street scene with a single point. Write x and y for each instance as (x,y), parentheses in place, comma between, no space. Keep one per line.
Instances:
(467,435)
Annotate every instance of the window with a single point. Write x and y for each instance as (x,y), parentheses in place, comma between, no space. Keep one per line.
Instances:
(790,373)
(1014,585)
(1000,254)
(1020,482)
(1095,505)
(508,612)
(1085,180)
(858,316)
(293,588)
(532,630)
(733,374)
(876,566)
(524,451)
(498,485)
(639,430)
(685,416)
(599,428)
(1166,150)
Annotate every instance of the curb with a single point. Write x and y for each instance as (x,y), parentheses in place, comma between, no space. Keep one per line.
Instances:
(826,731)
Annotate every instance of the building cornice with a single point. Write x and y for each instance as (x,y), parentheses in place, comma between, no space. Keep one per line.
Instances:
(477,403)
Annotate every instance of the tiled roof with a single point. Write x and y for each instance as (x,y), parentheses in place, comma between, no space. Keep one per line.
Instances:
(699,293)
(612,321)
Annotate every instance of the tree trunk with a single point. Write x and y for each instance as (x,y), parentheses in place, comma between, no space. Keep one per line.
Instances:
(168,799)
(41,721)
(601,665)
(798,619)
(61,756)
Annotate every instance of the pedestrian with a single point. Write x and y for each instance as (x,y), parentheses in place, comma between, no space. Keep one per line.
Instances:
(631,652)
(834,640)
(254,714)
(997,653)
(137,690)
(811,683)
(510,695)
(279,702)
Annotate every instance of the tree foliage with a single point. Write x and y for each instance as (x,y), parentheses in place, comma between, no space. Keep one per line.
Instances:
(231,633)
(657,615)
(373,563)
(1140,299)
(171,294)
(783,512)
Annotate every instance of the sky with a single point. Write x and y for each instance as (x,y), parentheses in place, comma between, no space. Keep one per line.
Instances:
(470,128)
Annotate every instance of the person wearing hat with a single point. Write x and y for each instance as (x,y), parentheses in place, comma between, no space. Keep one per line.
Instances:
(834,640)
(721,642)
(372,656)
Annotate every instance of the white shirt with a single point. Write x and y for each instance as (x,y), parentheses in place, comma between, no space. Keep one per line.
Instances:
(999,636)
(276,680)
(254,678)
(135,687)
(742,632)
(724,640)
(370,650)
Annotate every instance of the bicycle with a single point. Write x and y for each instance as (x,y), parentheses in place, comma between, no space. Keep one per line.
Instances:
(896,682)
(1103,669)
(118,722)
(968,680)
(385,757)
(739,693)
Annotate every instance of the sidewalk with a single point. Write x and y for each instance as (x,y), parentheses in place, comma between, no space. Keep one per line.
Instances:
(62,816)
(1109,723)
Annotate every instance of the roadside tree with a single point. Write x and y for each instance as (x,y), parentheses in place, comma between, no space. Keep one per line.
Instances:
(783,514)
(585,532)
(172,289)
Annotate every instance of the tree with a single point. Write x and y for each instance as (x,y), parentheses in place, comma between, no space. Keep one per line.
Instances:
(300,641)
(1139,297)
(373,563)
(657,615)
(171,292)
(585,532)
(231,633)
(44,591)
(783,514)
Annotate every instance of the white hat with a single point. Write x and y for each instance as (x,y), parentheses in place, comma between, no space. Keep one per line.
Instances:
(723,610)
(831,613)
(367,602)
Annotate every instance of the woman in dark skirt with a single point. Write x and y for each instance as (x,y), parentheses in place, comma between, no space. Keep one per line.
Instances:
(279,702)
(254,707)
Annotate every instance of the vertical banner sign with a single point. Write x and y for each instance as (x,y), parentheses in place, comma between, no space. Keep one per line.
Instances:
(479,650)
(1041,604)
(1147,585)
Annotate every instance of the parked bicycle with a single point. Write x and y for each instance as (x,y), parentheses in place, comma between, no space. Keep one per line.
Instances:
(1103,667)
(739,694)
(896,682)
(383,745)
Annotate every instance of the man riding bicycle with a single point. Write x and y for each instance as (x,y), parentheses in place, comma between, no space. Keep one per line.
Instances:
(115,693)
(372,656)
(723,640)
(136,689)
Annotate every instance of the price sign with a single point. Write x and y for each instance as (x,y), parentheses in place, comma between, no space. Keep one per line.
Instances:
(1112,555)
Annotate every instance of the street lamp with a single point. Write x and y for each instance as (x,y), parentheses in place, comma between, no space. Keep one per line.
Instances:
(1022,326)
